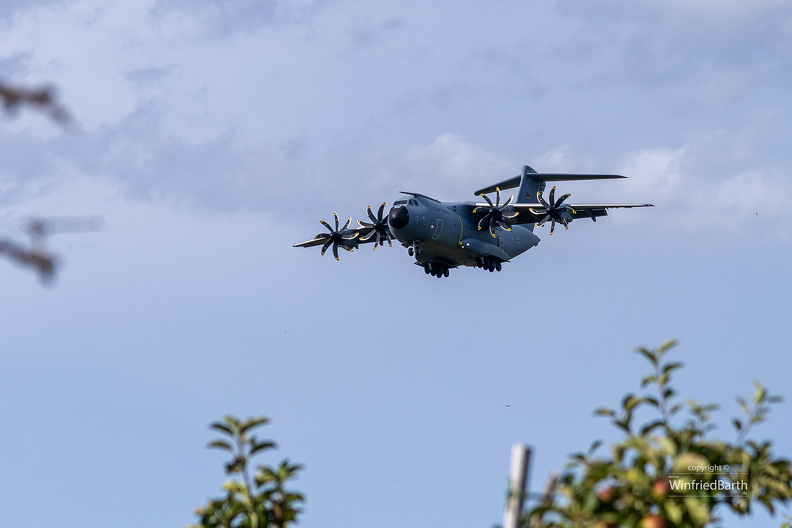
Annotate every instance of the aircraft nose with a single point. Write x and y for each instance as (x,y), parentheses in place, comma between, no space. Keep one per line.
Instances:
(398,217)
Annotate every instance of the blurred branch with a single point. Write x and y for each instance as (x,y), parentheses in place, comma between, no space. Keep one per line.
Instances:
(36,255)
(42,261)
(43,98)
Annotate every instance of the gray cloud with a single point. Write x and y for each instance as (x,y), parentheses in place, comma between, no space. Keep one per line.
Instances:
(222,18)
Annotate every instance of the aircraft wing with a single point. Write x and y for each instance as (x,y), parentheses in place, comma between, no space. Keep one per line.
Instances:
(311,243)
(534,212)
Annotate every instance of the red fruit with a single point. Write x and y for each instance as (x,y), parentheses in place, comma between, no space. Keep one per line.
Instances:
(606,494)
(653,521)
(661,488)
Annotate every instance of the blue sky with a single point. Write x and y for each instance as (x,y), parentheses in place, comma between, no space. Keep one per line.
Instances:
(211,136)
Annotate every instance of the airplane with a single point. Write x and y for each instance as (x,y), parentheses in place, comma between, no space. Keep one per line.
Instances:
(445,235)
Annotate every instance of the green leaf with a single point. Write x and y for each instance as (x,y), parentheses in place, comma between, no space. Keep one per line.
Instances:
(651,378)
(670,367)
(761,393)
(220,426)
(665,347)
(221,444)
(594,446)
(622,425)
(250,423)
(604,411)
(648,354)
(744,405)
(649,427)
(652,401)
(629,401)
(698,510)
(673,511)
(261,446)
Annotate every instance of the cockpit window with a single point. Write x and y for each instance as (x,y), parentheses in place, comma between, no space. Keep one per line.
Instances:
(397,203)
(413,202)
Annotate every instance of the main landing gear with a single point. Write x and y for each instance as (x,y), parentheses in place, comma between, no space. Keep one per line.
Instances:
(488,263)
(436,269)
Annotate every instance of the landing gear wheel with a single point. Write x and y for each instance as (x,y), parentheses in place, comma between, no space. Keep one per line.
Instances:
(436,269)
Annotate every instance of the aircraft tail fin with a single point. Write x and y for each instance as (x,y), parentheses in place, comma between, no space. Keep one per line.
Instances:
(531,181)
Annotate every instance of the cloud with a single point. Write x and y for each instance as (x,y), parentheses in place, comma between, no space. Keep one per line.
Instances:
(368,33)
(223,18)
(732,201)
(450,166)
(656,172)
(12,10)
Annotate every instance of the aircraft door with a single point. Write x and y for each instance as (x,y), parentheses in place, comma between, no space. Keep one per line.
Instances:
(438,229)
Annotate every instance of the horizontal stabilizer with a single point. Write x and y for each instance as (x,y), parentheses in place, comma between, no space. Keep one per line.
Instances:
(546,177)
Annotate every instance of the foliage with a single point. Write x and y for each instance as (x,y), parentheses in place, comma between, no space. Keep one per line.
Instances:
(258,500)
(667,472)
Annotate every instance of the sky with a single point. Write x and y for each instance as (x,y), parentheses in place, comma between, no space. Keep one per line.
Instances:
(211,136)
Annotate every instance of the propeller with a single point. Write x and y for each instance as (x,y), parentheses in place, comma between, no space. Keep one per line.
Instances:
(378,227)
(336,236)
(493,215)
(555,211)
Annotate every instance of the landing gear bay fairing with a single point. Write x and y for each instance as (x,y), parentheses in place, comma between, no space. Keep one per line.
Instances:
(446,235)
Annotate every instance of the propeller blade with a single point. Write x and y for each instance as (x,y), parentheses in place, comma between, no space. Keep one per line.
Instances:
(561,200)
(370,214)
(336,237)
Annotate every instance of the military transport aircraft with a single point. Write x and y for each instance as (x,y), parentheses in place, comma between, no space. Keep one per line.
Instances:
(445,235)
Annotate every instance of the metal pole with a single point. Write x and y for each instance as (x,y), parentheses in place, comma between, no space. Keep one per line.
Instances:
(518,479)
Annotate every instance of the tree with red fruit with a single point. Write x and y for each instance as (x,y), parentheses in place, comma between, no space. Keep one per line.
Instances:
(633,486)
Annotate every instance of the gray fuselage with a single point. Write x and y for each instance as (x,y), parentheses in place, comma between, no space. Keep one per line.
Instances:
(447,233)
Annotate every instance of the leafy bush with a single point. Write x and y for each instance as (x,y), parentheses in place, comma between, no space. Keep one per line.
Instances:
(257,500)
(667,472)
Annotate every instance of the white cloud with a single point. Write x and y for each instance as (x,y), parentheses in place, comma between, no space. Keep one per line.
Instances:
(656,172)
(450,166)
